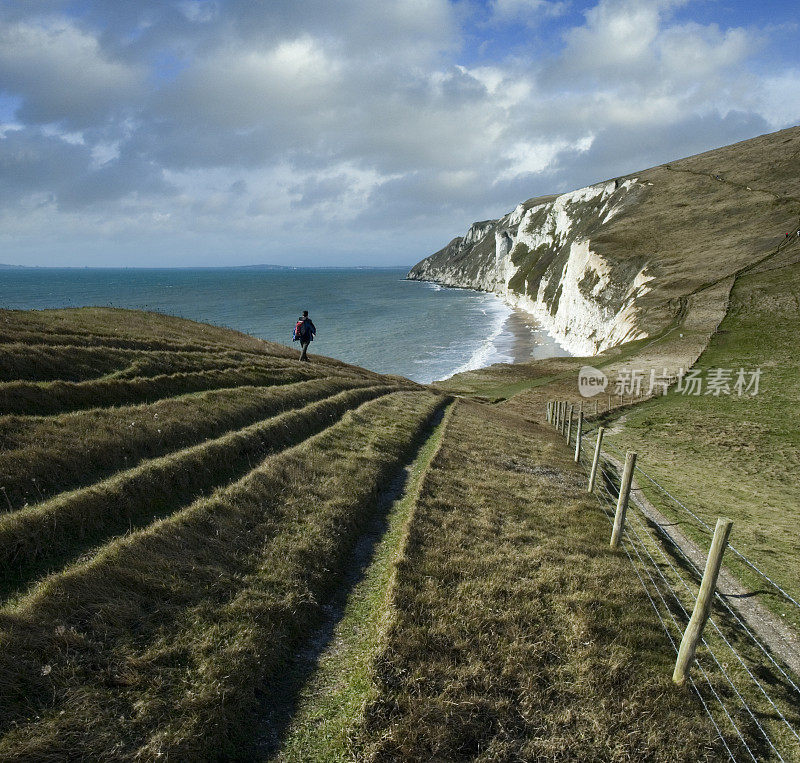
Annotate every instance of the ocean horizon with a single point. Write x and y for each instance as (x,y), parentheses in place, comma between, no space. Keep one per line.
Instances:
(371,317)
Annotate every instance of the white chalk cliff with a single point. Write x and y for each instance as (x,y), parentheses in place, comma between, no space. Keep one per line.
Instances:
(540,257)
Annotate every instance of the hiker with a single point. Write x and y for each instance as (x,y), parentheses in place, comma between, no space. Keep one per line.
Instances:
(304,331)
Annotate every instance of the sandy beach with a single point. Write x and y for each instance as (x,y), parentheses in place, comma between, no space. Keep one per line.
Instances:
(524,339)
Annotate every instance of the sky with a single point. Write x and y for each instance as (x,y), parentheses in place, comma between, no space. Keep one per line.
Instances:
(357,132)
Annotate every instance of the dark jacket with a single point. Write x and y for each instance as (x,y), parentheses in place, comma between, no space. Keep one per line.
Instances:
(306,333)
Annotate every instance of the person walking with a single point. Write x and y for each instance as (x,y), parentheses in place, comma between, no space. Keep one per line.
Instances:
(304,332)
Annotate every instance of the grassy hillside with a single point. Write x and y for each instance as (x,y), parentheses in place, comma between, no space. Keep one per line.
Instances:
(705,217)
(717,454)
(171,531)
(187,512)
(740,456)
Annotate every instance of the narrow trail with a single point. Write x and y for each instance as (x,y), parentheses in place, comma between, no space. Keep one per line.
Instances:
(503,649)
(313,698)
(741,186)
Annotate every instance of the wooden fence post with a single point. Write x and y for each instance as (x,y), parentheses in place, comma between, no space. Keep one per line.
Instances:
(596,407)
(702,607)
(563,427)
(569,422)
(557,422)
(547,412)
(622,499)
(578,438)
(595,460)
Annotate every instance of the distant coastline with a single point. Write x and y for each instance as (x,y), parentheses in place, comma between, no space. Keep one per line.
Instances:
(6,266)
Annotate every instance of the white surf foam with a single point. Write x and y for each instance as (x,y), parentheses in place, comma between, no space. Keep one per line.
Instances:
(487,352)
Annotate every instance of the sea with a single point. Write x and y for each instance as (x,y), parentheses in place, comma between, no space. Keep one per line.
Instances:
(371,317)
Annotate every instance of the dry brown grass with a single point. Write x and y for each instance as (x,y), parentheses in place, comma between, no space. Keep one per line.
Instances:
(519,635)
(45,398)
(41,538)
(159,644)
(42,362)
(107,326)
(39,457)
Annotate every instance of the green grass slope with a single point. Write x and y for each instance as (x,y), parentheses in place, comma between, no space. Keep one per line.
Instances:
(739,456)
(179,502)
(706,217)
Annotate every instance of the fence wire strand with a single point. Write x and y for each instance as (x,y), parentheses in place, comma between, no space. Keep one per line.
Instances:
(633,538)
(676,547)
(710,530)
(664,625)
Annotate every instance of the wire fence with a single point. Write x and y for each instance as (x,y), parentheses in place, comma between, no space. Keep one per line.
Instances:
(778,589)
(752,700)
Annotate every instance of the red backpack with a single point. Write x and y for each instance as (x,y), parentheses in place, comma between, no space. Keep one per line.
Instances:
(300,330)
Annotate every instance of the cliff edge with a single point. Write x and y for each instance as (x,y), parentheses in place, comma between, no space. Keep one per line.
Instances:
(616,261)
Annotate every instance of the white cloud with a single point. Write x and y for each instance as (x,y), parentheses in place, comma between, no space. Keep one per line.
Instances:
(199,11)
(693,52)
(529,12)
(779,98)
(104,152)
(617,32)
(300,125)
(526,158)
(62,73)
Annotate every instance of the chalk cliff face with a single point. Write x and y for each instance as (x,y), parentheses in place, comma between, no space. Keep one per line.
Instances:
(540,257)
(625,259)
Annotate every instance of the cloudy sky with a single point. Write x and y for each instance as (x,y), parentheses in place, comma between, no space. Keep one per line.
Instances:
(213,132)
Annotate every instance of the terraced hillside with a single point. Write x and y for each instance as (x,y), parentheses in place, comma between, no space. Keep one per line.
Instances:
(210,550)
(178,502)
